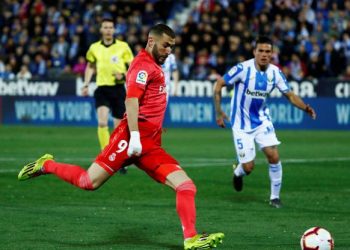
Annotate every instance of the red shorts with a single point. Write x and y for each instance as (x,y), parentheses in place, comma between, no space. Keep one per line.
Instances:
(154,160)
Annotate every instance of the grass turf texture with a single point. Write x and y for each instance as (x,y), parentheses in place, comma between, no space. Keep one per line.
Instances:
(134,212)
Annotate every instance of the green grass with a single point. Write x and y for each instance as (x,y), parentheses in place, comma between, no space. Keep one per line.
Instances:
(134,212)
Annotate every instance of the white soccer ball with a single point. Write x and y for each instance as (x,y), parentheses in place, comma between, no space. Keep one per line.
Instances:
(317,238)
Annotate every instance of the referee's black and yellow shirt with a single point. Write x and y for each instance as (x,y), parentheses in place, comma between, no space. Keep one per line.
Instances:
(109,60)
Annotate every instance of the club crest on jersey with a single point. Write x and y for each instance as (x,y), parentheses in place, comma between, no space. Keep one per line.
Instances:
(141,77)
(235,69)
(112,157)
(114,59)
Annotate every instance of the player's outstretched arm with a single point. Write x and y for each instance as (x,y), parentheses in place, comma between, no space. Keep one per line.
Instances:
(299,103)
(219,114)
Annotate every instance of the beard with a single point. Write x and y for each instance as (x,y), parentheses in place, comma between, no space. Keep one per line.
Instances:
(158,58)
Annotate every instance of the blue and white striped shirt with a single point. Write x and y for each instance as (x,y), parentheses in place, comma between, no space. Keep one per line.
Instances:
(251,87)
(168,67)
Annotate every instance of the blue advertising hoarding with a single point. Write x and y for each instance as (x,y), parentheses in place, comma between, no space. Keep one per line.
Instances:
(332,113)
(77,111)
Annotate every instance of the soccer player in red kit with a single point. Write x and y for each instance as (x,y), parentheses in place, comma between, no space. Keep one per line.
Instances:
(137,140)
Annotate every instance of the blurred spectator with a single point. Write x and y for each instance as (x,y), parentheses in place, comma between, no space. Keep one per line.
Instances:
(79,67)
(66,71)
(213,75)
(61,31)
(60,48)
(315,67)
(346,47)
(38,66)
(149,17)
(74,49)
(297,68)
(200,70)
(185,68)
(331,60)
(346,74)
(8,73)
(221,65)
(24,74)
(2,68)
(58,63)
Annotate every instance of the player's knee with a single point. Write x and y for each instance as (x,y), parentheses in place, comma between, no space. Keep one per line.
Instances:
(248,168)
(273,159)
(188,186)
(102,124)
(95,186)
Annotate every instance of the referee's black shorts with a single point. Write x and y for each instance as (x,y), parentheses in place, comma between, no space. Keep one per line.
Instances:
(112,97)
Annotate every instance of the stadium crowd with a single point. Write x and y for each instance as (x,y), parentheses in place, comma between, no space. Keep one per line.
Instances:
(41,38)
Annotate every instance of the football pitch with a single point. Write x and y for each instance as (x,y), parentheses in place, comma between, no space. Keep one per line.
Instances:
(133,212)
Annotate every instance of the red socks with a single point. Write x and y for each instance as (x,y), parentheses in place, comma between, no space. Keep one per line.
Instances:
(69,173)
(185,207)
(185,192)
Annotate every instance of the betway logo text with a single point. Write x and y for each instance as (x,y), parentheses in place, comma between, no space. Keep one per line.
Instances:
(256,93)
(25,88)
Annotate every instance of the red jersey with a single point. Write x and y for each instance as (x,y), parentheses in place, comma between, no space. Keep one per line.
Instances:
(146,74)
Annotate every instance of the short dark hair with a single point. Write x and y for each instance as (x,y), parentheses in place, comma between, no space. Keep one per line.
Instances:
(160,29)
(263,39)
(107,19)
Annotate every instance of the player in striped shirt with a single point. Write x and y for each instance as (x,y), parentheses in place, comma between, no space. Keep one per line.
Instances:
(253,80)
(171,72)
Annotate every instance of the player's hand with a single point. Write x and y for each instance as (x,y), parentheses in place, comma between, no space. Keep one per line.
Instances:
(119,76)
(85,90)
(310,111)
(220,119)
(135,147)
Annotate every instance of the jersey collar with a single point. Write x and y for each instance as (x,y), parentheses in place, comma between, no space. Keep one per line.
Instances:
(257,69)
(114,42)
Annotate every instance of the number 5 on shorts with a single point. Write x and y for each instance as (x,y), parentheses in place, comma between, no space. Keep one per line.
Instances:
(239,144)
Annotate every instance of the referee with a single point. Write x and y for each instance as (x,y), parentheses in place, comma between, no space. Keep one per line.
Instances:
(110,59)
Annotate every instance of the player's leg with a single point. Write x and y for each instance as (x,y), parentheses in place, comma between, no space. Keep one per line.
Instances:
(267,141)
(89,179)
(117,100)
(102,105)
(106,164)
(185,206)
(102,129)
(245,150)
(165,169)
(185,198)
(118,110)
(275,174)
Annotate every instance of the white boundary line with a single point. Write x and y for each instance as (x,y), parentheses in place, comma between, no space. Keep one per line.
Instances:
(186,162)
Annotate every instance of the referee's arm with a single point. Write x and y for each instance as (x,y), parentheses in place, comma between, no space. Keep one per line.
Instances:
(89,72)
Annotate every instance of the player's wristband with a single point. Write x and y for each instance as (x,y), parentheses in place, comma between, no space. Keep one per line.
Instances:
(135,134)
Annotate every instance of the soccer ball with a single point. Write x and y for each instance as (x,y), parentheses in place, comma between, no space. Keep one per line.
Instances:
(317,238)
